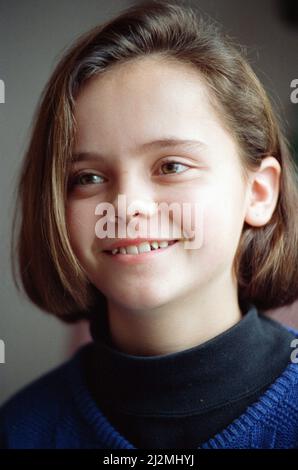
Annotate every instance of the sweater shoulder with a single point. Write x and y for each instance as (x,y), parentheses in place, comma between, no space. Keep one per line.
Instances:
(29,418)
(270,422)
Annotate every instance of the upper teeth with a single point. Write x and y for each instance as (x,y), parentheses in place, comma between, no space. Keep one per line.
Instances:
(142,247)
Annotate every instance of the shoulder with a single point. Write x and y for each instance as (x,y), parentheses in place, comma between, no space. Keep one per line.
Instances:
(270,422)
(278,405)
(30,417)
(276,412)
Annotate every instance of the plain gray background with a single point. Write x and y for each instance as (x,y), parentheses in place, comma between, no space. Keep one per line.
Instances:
(33,35)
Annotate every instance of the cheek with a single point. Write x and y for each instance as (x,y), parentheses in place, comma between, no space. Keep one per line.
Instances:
(223,221)
(216,220)
(80,221)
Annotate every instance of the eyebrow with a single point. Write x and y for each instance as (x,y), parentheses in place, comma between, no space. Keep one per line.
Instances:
(163,143)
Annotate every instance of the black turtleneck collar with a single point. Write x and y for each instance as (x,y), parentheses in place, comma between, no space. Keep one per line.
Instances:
(236,363)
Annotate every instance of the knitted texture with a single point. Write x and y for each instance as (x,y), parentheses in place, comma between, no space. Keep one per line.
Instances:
(57,411)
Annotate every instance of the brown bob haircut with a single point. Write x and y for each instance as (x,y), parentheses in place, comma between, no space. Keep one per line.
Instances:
(266,262)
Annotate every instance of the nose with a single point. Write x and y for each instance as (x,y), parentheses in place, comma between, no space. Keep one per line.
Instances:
(128,207)
(134,199)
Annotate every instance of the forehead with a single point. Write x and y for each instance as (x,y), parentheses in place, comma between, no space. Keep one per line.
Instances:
(144,100)
(145,88)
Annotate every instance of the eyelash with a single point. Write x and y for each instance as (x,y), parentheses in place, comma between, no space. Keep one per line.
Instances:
(74,178)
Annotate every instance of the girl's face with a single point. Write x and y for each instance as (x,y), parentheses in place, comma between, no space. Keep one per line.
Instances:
(117,113)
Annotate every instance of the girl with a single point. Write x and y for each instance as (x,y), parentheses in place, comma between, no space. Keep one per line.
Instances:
(158,106)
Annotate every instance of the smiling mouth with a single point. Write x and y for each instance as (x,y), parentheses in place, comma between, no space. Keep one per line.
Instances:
(145,247)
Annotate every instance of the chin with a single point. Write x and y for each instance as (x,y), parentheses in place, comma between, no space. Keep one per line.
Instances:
(131,301)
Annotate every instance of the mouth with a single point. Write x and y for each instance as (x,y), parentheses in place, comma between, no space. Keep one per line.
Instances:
(141,251)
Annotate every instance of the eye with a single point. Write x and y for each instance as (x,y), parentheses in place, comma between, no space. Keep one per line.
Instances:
(172,166)
(84,179)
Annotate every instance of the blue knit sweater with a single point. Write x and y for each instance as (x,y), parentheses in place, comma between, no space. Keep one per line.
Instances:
(57,411)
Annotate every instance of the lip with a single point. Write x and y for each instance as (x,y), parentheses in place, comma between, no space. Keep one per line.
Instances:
(124,242)
(142,257)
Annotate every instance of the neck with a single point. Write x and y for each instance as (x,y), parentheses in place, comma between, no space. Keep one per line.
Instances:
(185,323)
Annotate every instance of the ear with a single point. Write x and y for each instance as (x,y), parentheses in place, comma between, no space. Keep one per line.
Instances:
(263,192)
